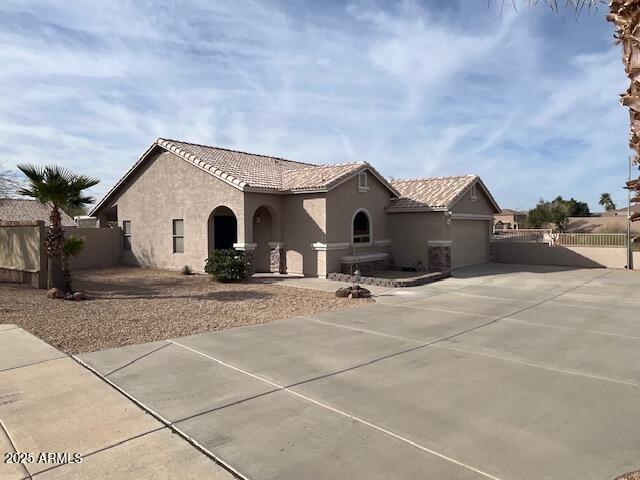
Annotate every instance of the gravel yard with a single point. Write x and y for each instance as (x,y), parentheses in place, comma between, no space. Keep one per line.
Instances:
(134,305)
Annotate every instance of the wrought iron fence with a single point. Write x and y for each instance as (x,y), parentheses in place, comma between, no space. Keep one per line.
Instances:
(590,239)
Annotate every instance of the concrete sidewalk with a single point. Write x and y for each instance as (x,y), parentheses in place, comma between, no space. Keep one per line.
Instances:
(50,404)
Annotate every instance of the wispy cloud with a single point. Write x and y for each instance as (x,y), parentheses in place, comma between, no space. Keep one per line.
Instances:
(527,100)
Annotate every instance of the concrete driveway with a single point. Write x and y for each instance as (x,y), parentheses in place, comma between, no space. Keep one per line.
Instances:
(502,372)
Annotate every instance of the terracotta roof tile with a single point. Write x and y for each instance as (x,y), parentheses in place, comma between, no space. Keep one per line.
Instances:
(435,192)
(237,167)
(320,176)
(21,209)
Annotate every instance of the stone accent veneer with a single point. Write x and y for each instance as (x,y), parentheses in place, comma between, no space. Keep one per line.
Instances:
(250,258)
(439,258)
(364,267)
(278,260)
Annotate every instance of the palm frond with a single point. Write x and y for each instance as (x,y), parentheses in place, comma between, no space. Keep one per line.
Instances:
(35,173)
(73,246)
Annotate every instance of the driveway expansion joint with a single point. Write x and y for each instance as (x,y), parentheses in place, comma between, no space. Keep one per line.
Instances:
(165,422)
(341,412)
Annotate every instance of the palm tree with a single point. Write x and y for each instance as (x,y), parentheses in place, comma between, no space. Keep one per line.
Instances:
(61,189)
(607,202)
(72,247)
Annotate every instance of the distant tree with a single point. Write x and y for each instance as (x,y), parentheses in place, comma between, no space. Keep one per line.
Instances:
(556,212)
(539,216)
(607,202)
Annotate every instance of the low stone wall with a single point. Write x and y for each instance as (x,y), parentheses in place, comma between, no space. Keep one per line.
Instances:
(392,282)
(544,254)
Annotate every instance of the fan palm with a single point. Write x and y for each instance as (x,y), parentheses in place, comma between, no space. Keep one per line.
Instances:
(61,189)
(72,247)
(607,202)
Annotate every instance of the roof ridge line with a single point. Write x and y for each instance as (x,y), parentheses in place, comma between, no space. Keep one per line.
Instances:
(325,165)
(235,151)
(446,177)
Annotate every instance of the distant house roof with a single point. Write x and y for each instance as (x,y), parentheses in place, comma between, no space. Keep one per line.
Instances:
(22,209)
(249,171)
(436,193)
(508,211)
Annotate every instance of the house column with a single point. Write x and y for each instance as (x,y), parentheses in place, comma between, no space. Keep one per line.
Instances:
(249,256)
(439,255)
(277,257)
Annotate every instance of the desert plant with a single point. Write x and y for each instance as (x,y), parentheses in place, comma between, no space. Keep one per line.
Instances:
(61,189)
(226,266)
(72,247)
(186,270)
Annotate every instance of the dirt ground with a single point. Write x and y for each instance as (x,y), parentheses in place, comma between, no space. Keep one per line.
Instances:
(130,305)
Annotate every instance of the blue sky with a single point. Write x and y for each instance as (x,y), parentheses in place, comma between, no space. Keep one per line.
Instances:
(527,100)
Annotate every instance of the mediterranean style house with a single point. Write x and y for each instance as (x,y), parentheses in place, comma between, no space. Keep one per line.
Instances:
(180,201)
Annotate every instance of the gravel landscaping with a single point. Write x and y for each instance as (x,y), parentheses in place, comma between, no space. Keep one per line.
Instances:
(130,305)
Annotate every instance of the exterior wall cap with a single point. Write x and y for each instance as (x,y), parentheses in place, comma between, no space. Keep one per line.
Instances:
(470,216)
(278,245)
(363,258)
(247,247)
(440,243)
(330,246)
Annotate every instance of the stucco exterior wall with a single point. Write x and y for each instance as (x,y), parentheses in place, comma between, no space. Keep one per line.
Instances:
(543,254)
(102,248)
(22,254)
(342,204)
(168,188)
(410,233)
(480,206)
(345,200)
(304,224)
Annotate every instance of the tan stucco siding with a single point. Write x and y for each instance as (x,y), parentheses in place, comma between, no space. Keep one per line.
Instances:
(480,206)
(304,224)
(20,246)
(410,234)
(345,200)
(342,204)
(168,188)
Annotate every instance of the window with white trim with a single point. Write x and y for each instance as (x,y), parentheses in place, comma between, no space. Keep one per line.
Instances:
(126,235)
(474,193)
(363,182)
(178,235)
(361,228)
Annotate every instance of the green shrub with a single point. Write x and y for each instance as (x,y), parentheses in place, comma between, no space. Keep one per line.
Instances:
(226,266)
(186,270)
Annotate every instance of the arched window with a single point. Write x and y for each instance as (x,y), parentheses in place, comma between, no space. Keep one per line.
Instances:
(361,228)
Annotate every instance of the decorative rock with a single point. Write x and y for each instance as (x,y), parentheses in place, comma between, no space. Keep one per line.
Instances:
(344,292)
(79,296)
(359,292)
(56,293)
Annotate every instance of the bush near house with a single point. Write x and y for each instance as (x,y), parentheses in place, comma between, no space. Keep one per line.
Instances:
(226,266)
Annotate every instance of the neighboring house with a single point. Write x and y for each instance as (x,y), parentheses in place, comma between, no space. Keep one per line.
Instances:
(180,201)
(21,209)
(510,219)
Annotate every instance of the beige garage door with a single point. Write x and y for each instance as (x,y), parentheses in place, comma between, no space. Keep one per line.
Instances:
(470,242)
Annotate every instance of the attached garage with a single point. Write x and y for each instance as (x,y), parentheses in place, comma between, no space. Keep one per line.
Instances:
(470,242)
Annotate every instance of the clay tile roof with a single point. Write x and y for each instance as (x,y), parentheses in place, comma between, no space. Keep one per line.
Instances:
(435,192)
(320,176)
(21,209)
(239,168)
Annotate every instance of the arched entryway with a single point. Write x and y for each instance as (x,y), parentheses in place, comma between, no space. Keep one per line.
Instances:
(222,229)
(262,236)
